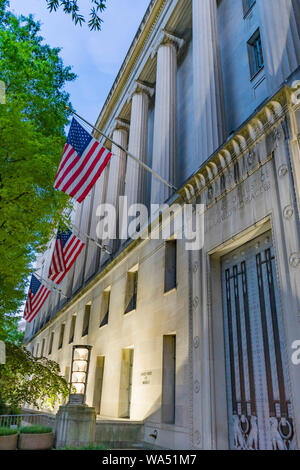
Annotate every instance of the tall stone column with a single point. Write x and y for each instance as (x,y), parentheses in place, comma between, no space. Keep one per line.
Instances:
(279,26)
(83,229)
(135,189)
(93,250)
(116,177)
(208,83)
(165,116)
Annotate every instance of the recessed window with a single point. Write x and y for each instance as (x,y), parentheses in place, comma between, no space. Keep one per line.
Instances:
(51,343)
(61,336)
(248,5)
(256,58)
(86,320)
(131,291)
(170,265)
(72,329)
(105,308)
(43,348)
(37,350)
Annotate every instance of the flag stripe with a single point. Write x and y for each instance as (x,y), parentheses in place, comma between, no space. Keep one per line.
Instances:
(37,309)
(68,152)
(36,298)
(82,163)
(80,167)
(66,250)
(90,170)
(99,172)
(74,164)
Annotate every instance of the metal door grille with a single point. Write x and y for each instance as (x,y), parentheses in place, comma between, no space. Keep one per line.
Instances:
(260,415)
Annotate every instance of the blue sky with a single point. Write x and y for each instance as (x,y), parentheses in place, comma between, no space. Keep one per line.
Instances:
(96,57)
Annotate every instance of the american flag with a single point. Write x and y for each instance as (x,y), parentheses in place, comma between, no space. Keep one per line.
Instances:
(66,250)
(37,296)
(82,163)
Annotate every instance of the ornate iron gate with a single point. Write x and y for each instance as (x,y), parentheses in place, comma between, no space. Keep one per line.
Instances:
(260,415)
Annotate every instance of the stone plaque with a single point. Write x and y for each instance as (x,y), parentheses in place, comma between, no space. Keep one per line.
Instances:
(146,377)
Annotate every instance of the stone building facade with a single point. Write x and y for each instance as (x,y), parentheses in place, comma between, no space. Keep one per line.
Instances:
(197,345)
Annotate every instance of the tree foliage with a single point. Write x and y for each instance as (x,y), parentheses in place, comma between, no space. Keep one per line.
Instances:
(30,380)
(32,122)
(71,7)
(9,329)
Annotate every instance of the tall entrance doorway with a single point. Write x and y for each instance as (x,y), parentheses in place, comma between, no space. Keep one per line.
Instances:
(260,413)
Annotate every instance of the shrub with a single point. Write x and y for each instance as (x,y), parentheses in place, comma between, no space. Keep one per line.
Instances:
(8,431)
(35,430)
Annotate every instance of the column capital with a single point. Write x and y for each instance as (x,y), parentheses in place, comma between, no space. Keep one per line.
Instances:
(120,124)
(140,88)
(164,38)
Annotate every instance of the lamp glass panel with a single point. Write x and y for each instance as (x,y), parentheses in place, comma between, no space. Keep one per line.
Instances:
(79,366)
(81,354)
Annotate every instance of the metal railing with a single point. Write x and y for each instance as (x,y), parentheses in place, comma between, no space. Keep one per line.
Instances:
(30,419)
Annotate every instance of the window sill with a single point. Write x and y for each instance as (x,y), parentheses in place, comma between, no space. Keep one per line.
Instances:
(254,76)
(247,13)
(170,291)
(128,313)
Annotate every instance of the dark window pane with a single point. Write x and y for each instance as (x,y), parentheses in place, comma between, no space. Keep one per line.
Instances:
(105,309)
(248,4)
(72,329)
(61,337)
(131,292)
(256,58)
(86,320)
(170,265)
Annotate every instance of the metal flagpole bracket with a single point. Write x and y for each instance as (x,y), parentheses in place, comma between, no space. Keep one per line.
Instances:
(51,286)
(146,167)
(102,247)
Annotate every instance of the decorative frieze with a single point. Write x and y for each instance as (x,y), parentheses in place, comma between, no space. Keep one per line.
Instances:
(288,212)
(295,260)
(239,157)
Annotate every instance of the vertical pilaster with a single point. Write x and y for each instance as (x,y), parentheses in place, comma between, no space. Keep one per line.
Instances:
(285,225)
(208,82)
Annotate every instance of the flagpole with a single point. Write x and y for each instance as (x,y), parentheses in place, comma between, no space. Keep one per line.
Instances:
(146,167)
(50,285)
(92,239)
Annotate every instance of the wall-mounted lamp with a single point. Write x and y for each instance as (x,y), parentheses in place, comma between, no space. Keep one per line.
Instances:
(154,434)
(79,374)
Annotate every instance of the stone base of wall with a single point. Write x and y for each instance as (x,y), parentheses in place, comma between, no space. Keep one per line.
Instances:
(119,434)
